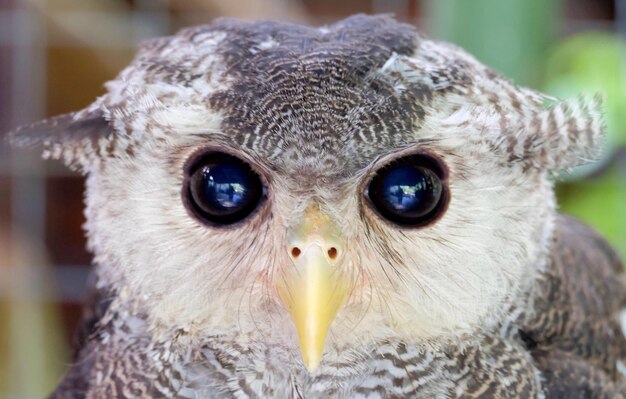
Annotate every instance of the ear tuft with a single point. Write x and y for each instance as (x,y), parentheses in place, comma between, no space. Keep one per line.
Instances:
(571,133)
(552,136)
(76,138)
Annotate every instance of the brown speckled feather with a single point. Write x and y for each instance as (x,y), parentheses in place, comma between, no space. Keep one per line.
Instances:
(574,328)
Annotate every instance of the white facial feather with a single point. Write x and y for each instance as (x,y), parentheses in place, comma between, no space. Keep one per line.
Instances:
(444,280)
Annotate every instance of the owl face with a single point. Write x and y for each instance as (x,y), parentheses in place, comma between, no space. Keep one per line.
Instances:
(321,188)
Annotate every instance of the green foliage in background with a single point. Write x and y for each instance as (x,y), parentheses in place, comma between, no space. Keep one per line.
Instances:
(596,62)
(510,36)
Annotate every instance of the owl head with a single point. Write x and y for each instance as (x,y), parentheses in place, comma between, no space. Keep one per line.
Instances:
(327,187)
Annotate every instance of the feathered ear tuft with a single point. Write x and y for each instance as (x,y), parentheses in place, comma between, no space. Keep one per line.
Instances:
(566,134)
(79,139)
(553,136)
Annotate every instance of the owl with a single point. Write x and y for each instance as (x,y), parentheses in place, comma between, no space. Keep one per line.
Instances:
(349,211)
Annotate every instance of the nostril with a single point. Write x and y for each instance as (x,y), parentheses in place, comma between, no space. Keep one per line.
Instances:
(295,252)
(332,253)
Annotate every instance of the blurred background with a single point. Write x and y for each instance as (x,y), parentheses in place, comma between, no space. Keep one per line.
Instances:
(56,54)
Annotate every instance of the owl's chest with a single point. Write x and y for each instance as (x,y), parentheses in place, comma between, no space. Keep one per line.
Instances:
(498,369)
(274,375)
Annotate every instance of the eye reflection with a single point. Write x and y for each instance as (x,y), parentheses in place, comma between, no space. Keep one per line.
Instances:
(223,189)
(409,191)
(224,186)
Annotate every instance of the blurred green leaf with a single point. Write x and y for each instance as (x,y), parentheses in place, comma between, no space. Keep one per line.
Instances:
(595,62)
(592,62)
(510,36)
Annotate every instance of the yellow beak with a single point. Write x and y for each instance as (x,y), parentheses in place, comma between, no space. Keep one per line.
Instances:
(314,289)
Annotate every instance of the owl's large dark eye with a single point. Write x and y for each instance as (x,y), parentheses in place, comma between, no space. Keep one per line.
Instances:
(409,191)
(223,189)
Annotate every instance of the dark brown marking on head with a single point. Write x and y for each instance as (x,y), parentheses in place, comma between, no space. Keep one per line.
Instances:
(316,90)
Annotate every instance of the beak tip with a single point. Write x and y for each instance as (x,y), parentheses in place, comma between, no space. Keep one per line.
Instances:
(312,363)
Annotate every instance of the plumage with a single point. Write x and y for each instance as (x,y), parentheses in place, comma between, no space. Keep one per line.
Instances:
(484,292)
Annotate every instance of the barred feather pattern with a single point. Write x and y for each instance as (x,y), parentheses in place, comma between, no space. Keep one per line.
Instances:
(561,340)
(128,367)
